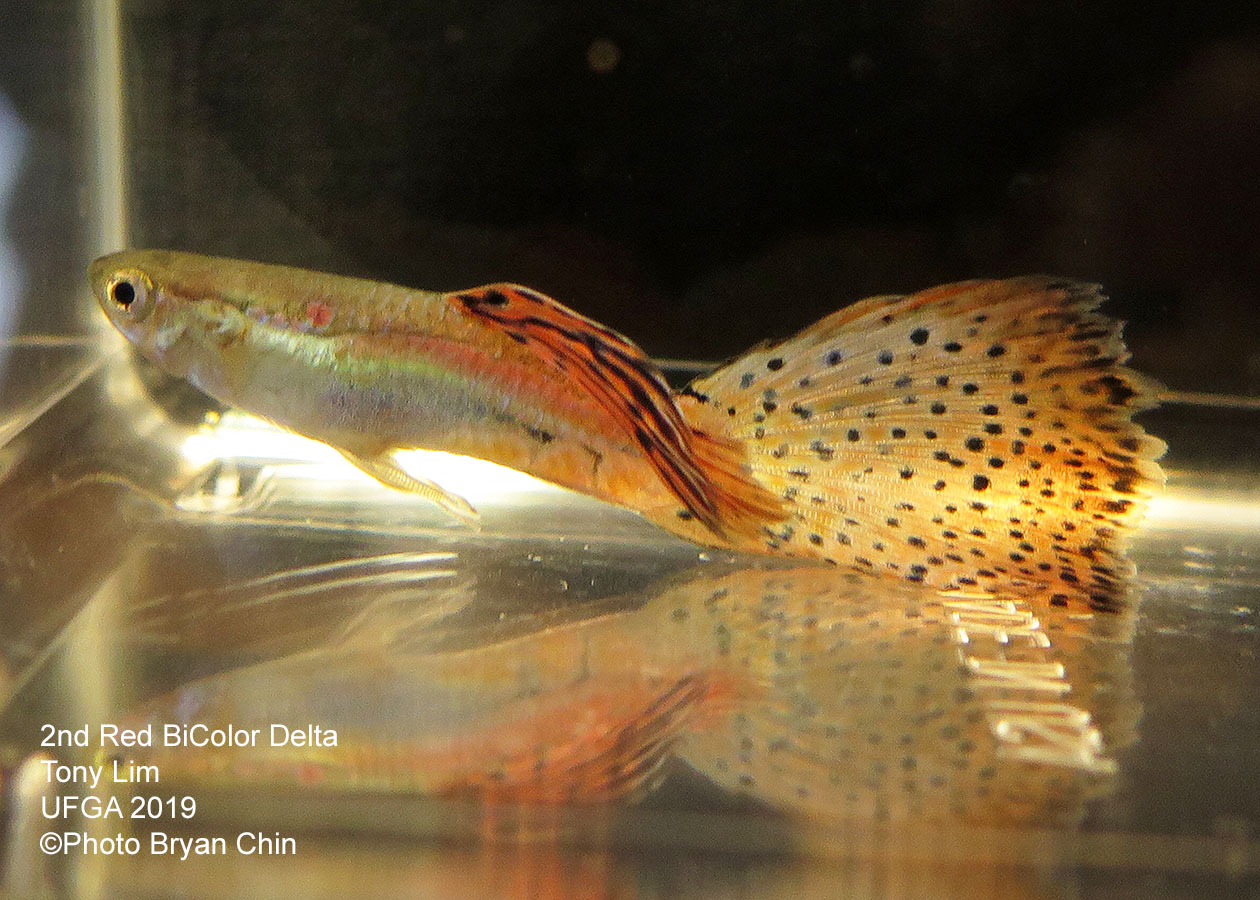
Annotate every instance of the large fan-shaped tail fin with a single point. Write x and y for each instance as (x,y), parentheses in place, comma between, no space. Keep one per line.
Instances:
(977,435)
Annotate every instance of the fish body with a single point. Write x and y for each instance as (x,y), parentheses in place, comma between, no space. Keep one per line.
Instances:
(971,436)
(368,368)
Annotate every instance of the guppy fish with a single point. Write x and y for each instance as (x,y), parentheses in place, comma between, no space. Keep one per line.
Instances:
(971,436)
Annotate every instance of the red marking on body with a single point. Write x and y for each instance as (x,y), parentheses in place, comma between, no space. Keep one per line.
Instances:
(310,773)
(319,314)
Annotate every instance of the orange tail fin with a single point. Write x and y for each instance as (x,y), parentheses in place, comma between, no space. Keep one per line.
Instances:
(972,436)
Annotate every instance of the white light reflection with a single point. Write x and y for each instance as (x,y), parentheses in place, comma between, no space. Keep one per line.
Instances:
(244,438)
(105,84)
(1182,508)
(13,140)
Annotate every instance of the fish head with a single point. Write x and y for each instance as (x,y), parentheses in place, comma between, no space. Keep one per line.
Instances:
(172,307)
(126,291)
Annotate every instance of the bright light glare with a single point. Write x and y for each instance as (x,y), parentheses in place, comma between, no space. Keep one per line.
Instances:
(1178,508)
(241,437)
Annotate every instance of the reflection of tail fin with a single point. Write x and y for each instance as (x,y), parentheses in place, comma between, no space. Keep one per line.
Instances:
(880,701)
(975,435)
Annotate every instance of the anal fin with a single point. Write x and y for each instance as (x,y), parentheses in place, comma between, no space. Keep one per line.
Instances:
(385,469)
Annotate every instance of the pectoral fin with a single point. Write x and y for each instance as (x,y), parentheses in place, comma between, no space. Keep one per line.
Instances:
(387,471)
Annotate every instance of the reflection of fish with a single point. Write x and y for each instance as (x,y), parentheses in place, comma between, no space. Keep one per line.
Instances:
(863,702)
(826,697)
(976,434)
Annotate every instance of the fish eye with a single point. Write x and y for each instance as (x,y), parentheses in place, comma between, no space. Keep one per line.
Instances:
(123,292)
(129,291)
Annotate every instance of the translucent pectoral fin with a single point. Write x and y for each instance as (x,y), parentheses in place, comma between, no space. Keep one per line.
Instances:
(387,471)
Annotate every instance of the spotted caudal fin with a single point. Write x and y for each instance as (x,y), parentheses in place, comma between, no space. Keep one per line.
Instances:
(972,436)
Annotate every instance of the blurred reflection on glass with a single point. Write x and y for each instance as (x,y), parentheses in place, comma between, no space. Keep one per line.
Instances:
(847,702)
(823,696)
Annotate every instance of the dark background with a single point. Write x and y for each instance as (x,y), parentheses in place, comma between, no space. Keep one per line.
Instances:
(702,175)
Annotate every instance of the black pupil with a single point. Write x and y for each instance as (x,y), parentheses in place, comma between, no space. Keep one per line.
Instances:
(124,293)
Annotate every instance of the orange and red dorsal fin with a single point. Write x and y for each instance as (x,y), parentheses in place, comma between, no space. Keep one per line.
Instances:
(621,378)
